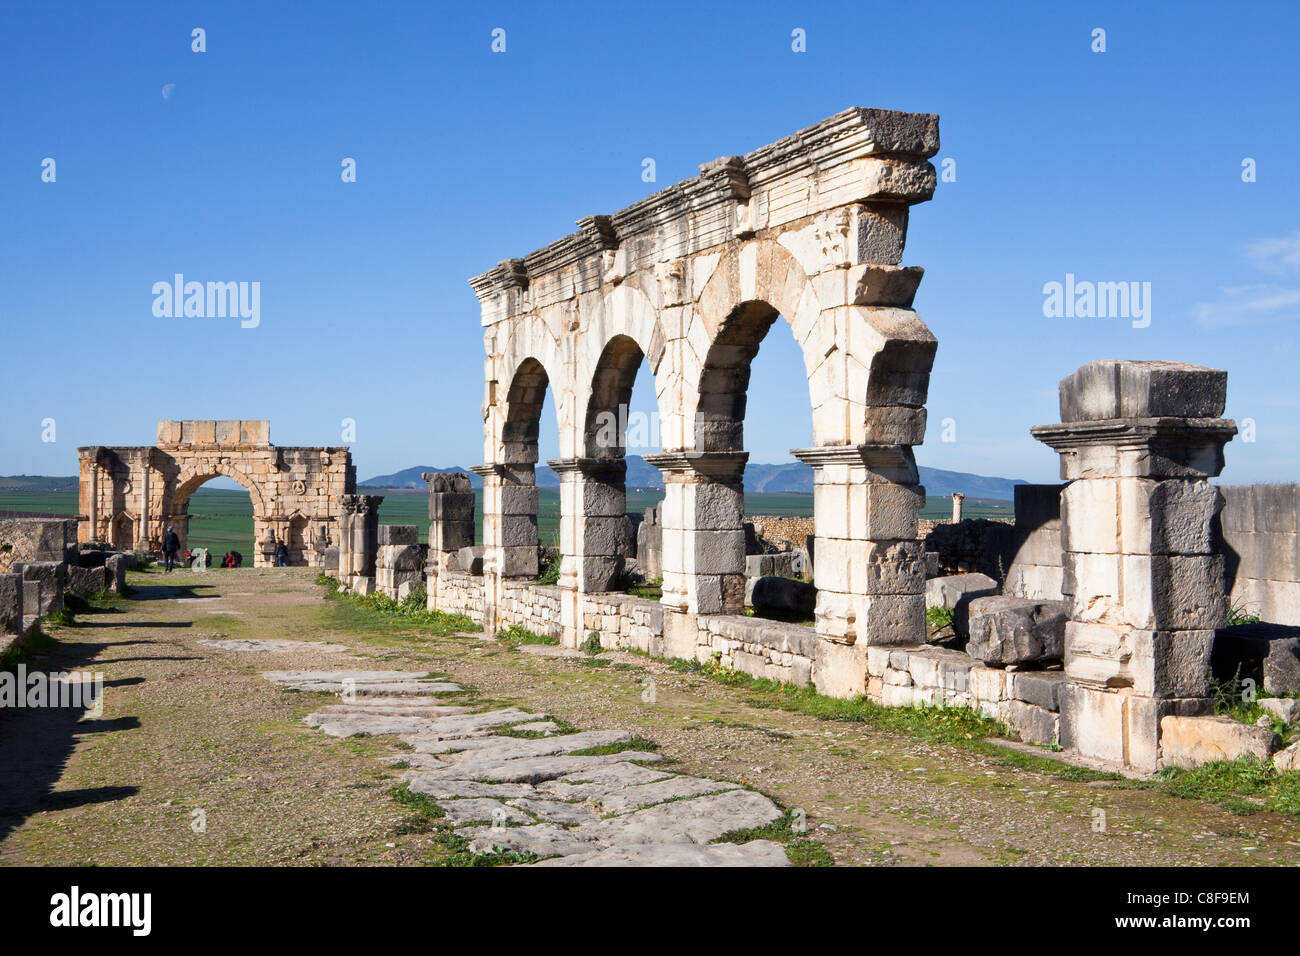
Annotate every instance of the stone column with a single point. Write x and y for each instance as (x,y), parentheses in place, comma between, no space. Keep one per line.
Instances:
(509,530)
(869,572)
(593,533)
(1139,443)
(357,549)
(703,540)
(142,543)
(451,524)
(957,499)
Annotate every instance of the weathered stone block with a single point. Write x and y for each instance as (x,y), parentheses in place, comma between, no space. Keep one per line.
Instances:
(1191,741)
(470,560)
(118,565)
(1032,724)
(50,575)
(398,534)
(1040,688)
(86,582)
(783,595)
(1108,388)
(1006,630)
(11,605)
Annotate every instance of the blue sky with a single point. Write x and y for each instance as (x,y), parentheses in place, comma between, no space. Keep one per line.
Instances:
(1117,166)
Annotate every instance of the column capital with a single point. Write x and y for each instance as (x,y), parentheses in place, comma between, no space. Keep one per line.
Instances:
(894,463)
(607,469)
(726,465)
(351,504)
(1139,447)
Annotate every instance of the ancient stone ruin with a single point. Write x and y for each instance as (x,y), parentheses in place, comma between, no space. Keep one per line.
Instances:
(130,496)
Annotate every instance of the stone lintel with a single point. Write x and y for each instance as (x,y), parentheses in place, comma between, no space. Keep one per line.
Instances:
(898,142)
(717,465)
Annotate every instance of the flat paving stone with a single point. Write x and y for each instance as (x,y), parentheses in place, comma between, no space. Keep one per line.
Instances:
(338,677)
(394,707)
(539,727)
(468,725)
(753,853)
(595,782)
(698,820)
(643,795)
(544,839)
(514,748)
(375,725)
(272,646)
(440,789)
(536,769)
(556,811)
(481,809)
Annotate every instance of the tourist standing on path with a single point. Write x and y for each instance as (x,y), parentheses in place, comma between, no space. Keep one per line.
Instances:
(170,545)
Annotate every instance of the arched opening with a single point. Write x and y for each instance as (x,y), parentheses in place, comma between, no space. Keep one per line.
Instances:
(527,532)
(217,512)
(616,553)
(767,386)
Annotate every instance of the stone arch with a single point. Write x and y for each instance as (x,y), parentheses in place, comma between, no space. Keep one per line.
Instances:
(751,286)
(622,331)
(190,479)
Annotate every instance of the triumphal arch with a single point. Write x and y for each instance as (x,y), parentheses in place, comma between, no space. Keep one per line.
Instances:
(129,496)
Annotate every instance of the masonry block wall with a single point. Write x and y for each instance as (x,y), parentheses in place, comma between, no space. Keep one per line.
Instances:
(1259,537)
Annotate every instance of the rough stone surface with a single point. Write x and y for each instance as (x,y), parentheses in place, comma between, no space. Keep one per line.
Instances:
(273,645)
(1007,630)
(535,796)
(1269,653)
(1191,741)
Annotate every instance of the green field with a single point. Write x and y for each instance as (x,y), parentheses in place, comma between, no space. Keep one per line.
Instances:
(223,520)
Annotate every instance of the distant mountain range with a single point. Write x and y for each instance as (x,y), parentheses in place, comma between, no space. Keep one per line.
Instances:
(792,478)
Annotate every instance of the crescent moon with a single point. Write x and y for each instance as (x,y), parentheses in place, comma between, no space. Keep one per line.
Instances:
(167,90)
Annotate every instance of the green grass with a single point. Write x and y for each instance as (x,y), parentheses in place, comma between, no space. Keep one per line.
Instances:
(516,635)
(412,611)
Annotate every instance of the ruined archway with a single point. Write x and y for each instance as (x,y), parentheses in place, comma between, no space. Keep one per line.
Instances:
(152,486)
(810,229)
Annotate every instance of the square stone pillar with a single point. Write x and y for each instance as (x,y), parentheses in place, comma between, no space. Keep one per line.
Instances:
(1138,442)
(359,541)
(509,530)
(869,572)
(451,524)
(703,540)
(593,533)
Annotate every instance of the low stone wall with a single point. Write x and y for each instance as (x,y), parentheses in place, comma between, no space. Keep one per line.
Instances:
(625,622)
(459,593)
(1028,702)
(760,648)
(535,606)
(1258,534)
(792,530)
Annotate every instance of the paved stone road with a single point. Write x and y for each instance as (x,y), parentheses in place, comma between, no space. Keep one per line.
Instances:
(537,792)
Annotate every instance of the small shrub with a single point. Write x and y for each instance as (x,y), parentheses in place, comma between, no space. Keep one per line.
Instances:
(550,570)
(592,644)
(941,616)
(1239,614)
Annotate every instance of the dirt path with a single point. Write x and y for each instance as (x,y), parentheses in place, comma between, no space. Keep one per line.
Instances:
(197,759)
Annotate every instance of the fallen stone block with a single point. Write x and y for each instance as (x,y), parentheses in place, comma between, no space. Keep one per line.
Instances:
(1287,760)
(784,595)
(50,576)
(1008,630)
(1192,741)
(1283,708)
(87,582)
(118,565)
(1266,652)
